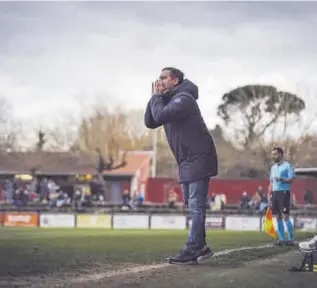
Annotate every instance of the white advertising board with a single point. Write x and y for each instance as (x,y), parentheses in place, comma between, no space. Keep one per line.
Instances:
(57,220)
(306,224)
(242,223)
(121,221)
(275,223)
(168,222)
(212,222)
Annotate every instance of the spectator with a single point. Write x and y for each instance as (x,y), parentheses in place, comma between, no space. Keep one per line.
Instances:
(261,190)
(308,197)
(140,199)
(44,191)
(172,199)
(16,198)
(77,197)
(244,201)
(87,199)
(255,201)
(263,204)
(8,191)
(32,196)
(59,199)
(126,199)
(223,198)
(212,199)
(97,189)
(31,187)
(20,197)
(51,187)
(218,203)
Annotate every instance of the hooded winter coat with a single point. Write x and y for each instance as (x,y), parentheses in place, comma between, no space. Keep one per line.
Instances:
(186,131)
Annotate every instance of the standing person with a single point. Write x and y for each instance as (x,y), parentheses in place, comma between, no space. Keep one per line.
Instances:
(173,104)
(8,191)
(281,177)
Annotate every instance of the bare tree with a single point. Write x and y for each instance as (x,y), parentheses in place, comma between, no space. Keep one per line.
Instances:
(63,136)
(10,131)
(110,132)
(105,135)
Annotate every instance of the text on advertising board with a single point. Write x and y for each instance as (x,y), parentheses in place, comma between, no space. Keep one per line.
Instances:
(130,221)
(57,220)
(306,224)
(21,219)
(241,223)
(211,223)
(168,222)
(93,221)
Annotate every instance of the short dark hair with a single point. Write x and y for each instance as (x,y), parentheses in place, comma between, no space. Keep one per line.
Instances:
(176,73)
(279,150)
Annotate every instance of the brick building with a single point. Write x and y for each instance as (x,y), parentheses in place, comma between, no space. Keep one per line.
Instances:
(62,166)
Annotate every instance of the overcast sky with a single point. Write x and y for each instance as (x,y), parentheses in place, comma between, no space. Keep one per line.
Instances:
(56,55)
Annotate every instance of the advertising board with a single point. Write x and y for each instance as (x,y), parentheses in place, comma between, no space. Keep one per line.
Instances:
(20,219)
(57,220)
(212,222)
(93,221)
(168,222)
(124,221)
(306,224)
(242,223)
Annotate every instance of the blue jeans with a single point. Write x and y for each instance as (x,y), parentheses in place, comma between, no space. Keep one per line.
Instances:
(195,197)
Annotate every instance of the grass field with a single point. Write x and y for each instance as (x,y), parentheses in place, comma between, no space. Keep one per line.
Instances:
(44,252)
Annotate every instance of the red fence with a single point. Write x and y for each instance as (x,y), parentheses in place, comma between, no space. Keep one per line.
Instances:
(157,188)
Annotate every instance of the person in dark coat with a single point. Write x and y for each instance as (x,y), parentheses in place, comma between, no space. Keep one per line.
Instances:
(173,104)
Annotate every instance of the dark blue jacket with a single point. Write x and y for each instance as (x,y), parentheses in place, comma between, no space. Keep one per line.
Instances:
(186,131)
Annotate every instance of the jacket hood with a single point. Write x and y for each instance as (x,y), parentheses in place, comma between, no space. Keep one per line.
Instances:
(189,87)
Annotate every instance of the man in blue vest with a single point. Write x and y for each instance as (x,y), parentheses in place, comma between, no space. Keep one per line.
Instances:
(173,105)
(281,177)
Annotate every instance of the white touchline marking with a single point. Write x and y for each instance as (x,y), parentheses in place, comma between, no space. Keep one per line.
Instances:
(145,268)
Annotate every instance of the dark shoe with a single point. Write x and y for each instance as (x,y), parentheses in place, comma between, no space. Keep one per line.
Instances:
(289,243)
(205,254)
(184,257)
(279,243)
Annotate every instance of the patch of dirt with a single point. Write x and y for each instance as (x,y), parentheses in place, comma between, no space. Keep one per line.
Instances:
(248,269)
(271,272)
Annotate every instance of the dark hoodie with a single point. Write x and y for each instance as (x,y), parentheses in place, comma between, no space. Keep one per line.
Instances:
(186,131)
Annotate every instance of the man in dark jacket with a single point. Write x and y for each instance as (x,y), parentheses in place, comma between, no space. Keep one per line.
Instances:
(173,104)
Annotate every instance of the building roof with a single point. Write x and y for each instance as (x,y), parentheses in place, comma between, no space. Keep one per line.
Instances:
(306,171)
(55,162)
(64,163)
(8,164)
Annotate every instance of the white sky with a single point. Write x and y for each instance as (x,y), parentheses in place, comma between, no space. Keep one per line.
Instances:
(56,57)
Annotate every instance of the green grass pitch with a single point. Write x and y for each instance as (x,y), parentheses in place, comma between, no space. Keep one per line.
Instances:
(40,251)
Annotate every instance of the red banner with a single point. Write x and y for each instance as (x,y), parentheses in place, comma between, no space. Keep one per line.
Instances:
(17,219)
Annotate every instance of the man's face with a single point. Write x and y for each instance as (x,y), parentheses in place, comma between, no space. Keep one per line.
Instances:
(168,82)
(276,156)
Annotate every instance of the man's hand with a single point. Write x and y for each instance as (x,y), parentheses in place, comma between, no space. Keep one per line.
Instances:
(157,87)
(269,199)
(278,179)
